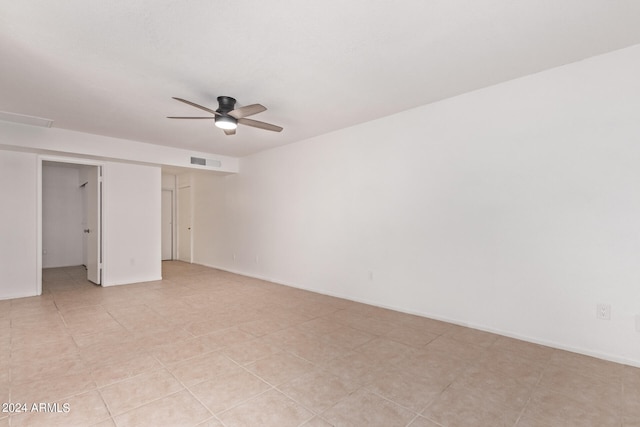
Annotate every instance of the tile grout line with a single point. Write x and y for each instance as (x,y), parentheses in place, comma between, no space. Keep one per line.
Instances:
(196,398)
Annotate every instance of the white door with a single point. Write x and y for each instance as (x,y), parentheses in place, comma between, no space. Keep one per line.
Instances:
(93,228)
(85,225)
(167,225)
(184,224)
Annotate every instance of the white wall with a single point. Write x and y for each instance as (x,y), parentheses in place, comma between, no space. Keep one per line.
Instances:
(66,142)
(168,182)
(62,216)
(132,212)
(514,209)
(131,223)
(18,217)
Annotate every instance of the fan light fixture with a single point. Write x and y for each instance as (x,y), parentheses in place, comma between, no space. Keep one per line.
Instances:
(228,117)
(226,122)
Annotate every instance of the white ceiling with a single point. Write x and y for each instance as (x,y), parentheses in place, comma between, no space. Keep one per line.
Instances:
(111,67)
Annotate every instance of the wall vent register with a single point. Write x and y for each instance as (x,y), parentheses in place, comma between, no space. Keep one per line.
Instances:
(206,162)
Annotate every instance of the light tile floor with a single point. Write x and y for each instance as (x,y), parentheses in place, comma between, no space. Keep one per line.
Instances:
(209,348)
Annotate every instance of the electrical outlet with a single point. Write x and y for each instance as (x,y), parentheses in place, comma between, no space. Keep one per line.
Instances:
(603,311)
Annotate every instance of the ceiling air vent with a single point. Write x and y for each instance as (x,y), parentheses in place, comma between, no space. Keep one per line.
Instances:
(206,162)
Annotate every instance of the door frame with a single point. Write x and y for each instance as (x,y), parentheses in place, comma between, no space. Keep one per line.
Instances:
(76,161)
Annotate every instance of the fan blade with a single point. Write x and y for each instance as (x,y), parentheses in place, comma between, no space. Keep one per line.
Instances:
(193,104)
(246,111)
(229,131)
(208,118)
(260,125)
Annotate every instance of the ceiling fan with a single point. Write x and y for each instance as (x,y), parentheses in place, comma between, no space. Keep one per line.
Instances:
(227,117)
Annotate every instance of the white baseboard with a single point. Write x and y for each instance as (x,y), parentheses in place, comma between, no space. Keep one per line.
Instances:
(509,334)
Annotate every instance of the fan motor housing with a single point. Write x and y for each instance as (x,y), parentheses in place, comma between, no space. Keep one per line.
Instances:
(226,104)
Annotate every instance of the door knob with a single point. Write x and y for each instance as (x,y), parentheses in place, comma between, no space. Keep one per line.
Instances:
(86,230)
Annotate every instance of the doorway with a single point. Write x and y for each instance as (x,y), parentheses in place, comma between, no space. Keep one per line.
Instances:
(71,216)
